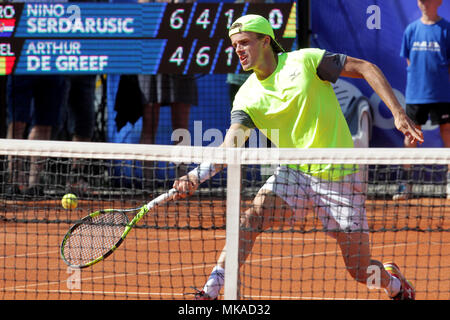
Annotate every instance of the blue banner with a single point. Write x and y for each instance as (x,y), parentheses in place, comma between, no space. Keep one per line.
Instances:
(89,20)
(84,56)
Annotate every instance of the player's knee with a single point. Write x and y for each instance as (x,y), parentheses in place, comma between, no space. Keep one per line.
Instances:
(255,220)
(251,222)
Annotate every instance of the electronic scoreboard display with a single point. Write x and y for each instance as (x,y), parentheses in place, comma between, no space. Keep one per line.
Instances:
(148,38)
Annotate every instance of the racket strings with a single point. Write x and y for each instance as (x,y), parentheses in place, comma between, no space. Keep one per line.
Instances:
(94,238)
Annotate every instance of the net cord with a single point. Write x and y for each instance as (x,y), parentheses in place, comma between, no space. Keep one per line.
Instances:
(198,154)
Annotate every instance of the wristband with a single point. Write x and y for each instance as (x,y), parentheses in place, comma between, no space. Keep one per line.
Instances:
(204,171)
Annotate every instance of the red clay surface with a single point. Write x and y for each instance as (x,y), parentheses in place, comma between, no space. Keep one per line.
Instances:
(164,263)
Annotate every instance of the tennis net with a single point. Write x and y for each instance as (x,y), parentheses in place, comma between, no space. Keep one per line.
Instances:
(176,247)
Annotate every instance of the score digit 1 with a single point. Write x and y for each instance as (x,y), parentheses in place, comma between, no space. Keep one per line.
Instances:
(227,61)
(229,53)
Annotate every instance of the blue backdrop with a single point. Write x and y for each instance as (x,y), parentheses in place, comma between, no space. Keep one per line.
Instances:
(341,26)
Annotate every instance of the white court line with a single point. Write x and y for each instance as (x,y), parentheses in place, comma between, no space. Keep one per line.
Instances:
(24,255)
(27,287)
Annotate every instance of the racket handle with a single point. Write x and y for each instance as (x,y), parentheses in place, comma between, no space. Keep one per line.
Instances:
(163,198)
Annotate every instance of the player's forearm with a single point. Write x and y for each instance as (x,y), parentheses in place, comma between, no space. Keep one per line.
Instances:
(376,79)
(373,75)
(358,68)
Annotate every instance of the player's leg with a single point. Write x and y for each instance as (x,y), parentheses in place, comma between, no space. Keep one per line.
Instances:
(355,248)
(341,207)
(272,206)
(268,210)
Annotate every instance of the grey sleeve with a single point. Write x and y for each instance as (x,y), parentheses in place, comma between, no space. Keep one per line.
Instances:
(241,117)
(330,66)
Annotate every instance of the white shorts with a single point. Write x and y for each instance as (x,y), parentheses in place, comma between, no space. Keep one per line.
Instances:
(340,205)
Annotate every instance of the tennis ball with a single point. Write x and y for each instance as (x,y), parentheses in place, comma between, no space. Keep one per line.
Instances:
(69,201)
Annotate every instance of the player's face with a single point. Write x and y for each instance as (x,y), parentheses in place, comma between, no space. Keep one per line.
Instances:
(248,47)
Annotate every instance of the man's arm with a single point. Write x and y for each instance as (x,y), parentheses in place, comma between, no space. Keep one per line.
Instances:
(358,68)
(235,137)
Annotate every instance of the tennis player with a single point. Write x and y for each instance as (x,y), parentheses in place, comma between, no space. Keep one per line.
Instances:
(291,93)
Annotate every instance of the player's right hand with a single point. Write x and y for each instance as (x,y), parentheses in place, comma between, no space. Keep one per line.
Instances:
(186,186)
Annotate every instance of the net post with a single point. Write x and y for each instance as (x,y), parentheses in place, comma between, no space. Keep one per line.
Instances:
(232,232)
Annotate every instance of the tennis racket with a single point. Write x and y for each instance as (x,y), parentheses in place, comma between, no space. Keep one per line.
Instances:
(100,233)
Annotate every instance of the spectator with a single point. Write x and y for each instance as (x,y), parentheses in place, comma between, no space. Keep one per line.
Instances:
(77,123)
(33,106)
(426,47)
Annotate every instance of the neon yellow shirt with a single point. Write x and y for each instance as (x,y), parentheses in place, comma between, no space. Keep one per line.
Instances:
(296,109)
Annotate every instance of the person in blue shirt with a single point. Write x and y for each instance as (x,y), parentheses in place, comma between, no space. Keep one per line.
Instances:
(426,47)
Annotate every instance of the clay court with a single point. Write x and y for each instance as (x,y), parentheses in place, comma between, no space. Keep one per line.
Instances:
(161,261)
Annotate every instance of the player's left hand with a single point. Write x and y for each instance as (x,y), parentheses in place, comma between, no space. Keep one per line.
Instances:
(405,125)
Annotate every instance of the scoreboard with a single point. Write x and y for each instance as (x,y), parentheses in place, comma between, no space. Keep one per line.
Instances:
(121,38)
